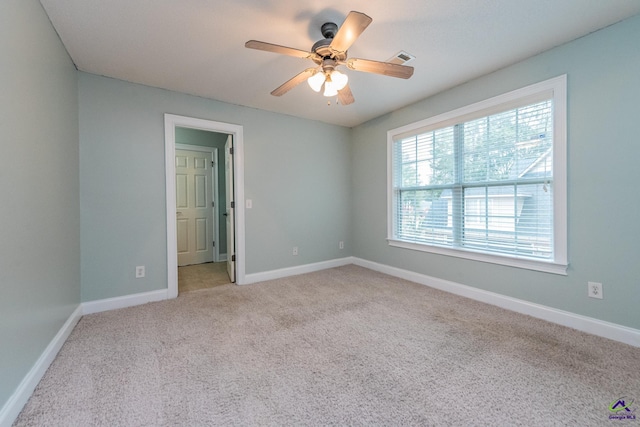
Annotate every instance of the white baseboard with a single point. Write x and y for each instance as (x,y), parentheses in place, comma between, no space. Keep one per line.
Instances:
(97,306)
(293,271)
(222,258)
(586,324)
(19,398)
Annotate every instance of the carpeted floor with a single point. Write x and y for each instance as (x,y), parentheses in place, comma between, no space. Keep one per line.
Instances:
(346,346)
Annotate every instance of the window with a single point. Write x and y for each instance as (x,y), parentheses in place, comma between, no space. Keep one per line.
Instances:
(485,182)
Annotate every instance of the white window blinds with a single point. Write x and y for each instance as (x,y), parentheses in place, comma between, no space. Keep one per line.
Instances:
(484,184)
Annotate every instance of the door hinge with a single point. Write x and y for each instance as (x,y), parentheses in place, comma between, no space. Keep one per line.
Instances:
(233,258)
(214,244)
(213,204)
(231,151)
(233,205)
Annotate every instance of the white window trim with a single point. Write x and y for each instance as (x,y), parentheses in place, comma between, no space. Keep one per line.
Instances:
(557,87)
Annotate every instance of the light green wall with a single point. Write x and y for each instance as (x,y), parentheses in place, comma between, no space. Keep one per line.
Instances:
(603,153)
(39,219)
(215,140)
(296,173)
(200,137)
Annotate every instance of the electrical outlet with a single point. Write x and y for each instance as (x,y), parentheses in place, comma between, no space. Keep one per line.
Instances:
(595,290)
(140,271)
(295,250)
(341,244)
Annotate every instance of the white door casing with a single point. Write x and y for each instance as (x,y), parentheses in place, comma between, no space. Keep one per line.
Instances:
(172,121)
(230,211)
(194,207)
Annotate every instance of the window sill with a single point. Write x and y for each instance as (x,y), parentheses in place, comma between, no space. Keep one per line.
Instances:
(524,263)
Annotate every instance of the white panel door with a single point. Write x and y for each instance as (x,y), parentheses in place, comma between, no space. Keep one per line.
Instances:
(230,211)
(194,211)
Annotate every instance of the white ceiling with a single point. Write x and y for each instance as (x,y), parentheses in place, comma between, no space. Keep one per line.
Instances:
(197,46)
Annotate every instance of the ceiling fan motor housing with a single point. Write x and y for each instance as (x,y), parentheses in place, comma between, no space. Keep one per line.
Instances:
(323,47)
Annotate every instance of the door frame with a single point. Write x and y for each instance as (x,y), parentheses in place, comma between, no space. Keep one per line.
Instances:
(214,191)
(171,122)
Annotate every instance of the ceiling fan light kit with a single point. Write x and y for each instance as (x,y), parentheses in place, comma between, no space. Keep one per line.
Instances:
(333,82)
(330,53)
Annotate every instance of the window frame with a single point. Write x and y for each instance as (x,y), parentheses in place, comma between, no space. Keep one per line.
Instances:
(555,89)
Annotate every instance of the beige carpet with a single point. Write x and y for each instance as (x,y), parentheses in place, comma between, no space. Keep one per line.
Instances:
(345,346)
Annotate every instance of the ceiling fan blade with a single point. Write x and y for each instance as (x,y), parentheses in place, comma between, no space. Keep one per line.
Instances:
(345,97)
(384,68)
(270,47)
(350,30)
(293,82)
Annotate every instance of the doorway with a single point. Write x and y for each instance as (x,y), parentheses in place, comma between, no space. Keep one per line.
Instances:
(200,206)
(236,188)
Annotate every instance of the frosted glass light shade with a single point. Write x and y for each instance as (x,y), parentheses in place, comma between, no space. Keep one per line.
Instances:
(330,88)
(339,80)
(316,81)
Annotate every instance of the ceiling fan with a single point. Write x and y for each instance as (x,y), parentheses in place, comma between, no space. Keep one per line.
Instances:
(328,54)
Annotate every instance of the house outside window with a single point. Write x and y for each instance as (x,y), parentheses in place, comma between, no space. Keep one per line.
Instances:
(485,182)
